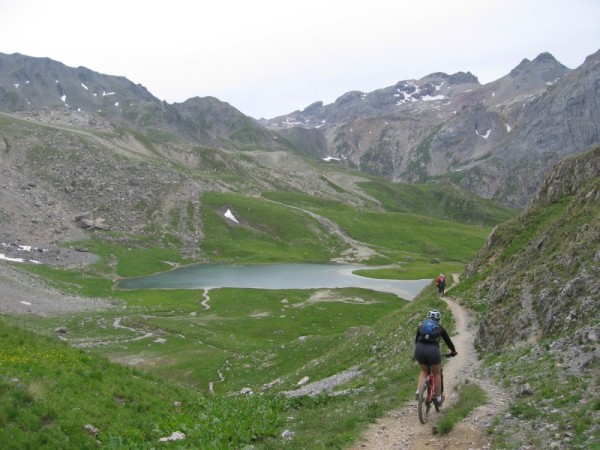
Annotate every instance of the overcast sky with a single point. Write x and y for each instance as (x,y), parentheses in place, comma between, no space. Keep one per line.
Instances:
(271,57)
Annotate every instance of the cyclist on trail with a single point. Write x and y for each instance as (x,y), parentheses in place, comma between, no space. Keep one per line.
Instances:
(440,282)
(427,353)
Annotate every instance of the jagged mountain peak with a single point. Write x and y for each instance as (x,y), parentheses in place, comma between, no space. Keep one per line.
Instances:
(527,81)
(545,57)
(548,68)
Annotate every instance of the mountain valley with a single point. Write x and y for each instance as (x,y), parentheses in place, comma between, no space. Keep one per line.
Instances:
(497,184)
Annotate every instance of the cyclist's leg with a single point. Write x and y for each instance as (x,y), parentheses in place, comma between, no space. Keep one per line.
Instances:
(436,370)
(422,375)
(421,357)
(435,361)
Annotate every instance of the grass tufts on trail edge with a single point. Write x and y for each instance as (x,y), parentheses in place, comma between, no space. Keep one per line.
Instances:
(470,397)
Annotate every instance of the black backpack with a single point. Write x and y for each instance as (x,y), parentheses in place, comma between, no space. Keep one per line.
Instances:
(429,331)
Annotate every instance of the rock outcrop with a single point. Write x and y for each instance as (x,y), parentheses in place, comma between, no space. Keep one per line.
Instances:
(541,271)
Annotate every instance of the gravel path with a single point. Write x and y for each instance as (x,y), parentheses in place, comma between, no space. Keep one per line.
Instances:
(401,429)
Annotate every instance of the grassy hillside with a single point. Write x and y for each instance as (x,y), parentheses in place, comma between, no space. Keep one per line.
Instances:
(535,286)
(56,397)
(263,340)
(160,361)
(52,392)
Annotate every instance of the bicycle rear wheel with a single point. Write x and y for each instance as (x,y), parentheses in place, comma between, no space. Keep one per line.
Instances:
(424,404)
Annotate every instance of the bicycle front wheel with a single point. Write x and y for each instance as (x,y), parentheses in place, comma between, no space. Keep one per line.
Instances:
(424,404)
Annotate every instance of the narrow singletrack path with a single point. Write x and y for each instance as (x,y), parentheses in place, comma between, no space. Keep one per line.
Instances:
(401,429)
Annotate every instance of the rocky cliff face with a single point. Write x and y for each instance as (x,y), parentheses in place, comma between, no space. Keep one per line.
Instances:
(535,288)
(542,270)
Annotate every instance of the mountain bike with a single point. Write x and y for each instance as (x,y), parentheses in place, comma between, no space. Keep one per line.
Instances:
(427,394)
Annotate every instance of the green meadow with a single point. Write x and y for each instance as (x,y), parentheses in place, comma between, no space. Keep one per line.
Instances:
(160,361)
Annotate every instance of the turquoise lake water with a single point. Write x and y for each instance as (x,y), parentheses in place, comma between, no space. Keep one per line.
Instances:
(272,276)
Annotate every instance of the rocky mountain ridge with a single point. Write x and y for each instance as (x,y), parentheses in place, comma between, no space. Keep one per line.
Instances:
(388,101)
(447,92)
(30,85)
(497,140)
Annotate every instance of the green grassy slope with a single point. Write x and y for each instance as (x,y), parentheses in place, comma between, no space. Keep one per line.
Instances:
(248,338)
(50,392)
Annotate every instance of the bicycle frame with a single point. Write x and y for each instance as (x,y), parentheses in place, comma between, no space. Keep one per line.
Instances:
(431,381)
(431,390)
(427,393)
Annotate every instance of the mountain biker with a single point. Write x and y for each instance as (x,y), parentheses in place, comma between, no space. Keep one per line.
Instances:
(440,282)
(427,353)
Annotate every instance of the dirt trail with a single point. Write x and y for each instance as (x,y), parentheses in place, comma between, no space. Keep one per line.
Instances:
(401,429)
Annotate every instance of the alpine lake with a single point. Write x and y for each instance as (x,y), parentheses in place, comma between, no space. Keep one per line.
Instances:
(273,276)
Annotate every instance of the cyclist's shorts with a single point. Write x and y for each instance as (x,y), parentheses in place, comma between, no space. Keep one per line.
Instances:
(428,353)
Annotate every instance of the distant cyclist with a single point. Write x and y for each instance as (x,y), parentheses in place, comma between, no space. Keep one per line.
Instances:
(427,351)
(440,282)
